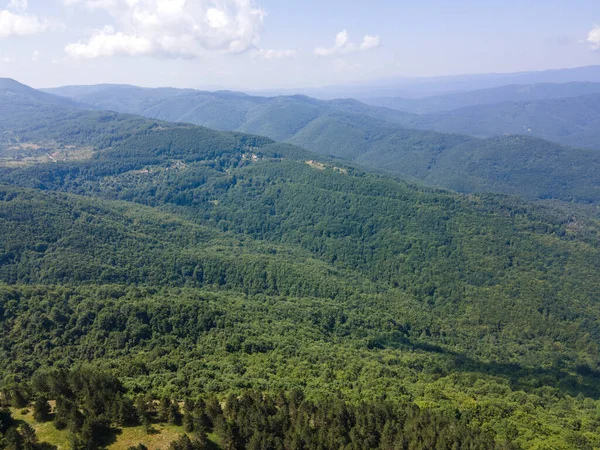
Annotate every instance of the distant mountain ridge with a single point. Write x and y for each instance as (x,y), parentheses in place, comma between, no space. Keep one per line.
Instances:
(14,89)
(420,87)
(510,93)
(572,121)
(568,114)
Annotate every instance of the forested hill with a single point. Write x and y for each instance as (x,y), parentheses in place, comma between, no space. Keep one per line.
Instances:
(384,139)
(194,264)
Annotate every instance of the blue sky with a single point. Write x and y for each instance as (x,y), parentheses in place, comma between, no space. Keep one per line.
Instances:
(267,44)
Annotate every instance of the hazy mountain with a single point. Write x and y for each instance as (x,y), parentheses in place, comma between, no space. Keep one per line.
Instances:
(511,93)
(417,88)
(11,89)
(573,121)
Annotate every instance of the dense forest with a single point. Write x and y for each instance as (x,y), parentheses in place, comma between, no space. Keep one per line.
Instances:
(262,296)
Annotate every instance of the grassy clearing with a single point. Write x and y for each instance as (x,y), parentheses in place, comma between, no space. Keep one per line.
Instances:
(121,439)
(321,166)
(44,431)
(30,154)
(160,439)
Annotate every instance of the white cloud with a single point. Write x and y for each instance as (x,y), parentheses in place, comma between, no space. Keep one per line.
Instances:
(171,28)
(275,54)
(15,22)
(594,37)
(7,60)
(19,5)
(35,57)
(343,46)
(108,42)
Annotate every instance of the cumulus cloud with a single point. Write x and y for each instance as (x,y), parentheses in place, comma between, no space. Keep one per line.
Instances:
(343,46)
(15,22)
(275,54)
(594,37)
(173,28)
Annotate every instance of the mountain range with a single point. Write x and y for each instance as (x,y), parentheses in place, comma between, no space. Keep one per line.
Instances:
(516,93)
(422,87)
(401,143)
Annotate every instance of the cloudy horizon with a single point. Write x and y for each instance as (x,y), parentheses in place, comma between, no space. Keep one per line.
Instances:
(274,44)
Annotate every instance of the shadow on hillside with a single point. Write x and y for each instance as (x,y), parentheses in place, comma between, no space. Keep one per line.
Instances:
(110,438)
(39,445)
(581,380)
(572,381)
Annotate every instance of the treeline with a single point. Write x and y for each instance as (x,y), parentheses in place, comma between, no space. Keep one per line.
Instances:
(89,404)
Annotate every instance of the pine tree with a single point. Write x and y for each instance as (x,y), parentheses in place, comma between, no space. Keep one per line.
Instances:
(12,439)
(28,436)
(174,415)
(188,416)
(17,398)
(144,412)
(164,409)
(6,420)
(138,447)
(41,410)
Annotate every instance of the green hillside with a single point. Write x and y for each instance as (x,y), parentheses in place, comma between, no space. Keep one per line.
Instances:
(457,288)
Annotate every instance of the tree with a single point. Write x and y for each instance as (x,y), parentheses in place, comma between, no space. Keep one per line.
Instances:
(12,439)
(126,413)
(6,420)
(144,412)
(174,416)
(28,436)
(188,416)
(17,397)
(185,443)
(41,409)
(164,408)
(92,432)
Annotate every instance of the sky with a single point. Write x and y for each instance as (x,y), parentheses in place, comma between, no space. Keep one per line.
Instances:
(274,44)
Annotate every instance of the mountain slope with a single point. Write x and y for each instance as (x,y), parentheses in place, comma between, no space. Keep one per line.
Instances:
(382,139)
(519,165)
